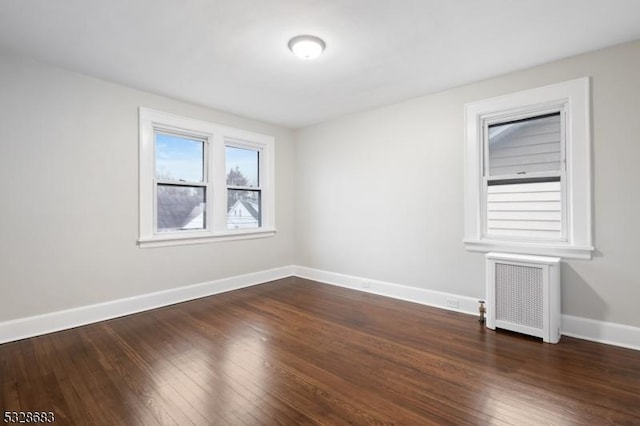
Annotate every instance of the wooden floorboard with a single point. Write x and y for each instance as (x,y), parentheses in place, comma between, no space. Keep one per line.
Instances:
(295,352)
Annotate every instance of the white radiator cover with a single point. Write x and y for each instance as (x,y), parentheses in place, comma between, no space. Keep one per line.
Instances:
(523,294)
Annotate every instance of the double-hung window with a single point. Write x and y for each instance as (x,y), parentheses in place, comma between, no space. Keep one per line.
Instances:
(202,182)
(524,166)
(528,182)
(181,181)
(244,193)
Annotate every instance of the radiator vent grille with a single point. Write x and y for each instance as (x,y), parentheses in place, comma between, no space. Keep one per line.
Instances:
(519,295)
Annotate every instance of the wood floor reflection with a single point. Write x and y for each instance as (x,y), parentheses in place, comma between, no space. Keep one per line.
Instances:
(296,352)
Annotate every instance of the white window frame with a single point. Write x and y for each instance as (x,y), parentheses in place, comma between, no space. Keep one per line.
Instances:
(215,137)
(572,98)
(205,183)
(244,144)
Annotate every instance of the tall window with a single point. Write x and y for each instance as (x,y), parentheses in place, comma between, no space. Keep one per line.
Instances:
(523,177)
(202,182)
(181,182)
(244,194)
(528,172)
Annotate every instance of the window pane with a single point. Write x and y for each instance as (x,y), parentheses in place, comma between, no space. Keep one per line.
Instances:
(179,158)
(180,208)
(530,211)
(525,146)
(242,167)
(243,209)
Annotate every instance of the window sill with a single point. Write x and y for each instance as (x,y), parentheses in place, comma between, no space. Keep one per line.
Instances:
(203,238)
(543,249)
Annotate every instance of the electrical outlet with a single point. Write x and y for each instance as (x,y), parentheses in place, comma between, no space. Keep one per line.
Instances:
(452,303)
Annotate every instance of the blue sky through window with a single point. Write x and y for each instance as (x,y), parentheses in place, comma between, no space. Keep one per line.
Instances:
(247,162)
(179,158)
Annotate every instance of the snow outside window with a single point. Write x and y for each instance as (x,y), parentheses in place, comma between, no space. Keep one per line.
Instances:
(202,182)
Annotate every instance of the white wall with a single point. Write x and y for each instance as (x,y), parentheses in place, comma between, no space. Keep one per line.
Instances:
(69,189)
(380,193)
(377,194)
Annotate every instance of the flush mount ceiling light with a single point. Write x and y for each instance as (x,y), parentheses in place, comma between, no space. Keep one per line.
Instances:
(306,46)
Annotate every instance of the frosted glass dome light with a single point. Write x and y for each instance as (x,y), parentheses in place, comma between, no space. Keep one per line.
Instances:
(306,46)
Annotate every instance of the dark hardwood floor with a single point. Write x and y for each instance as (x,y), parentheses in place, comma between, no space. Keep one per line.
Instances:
(296,352)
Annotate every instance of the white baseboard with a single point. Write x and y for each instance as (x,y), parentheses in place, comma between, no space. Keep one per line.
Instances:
(609,333)
(70,318)
(467,305)
(582,328)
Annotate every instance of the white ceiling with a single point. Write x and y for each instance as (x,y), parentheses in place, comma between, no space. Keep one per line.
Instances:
(233,55)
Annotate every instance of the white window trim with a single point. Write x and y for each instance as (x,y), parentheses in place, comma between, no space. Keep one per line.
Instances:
(216,218)
(574,97)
